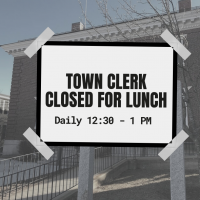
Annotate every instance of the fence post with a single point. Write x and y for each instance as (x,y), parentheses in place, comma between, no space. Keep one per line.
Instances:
(86,172)
(111,157)
(177,168)
(59,157)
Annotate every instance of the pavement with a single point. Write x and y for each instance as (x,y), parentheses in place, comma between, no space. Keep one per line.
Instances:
(137,184)
(146,184)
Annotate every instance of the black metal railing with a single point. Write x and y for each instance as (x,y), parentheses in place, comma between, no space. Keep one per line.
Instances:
(189,149)
(32,177)
(106,157)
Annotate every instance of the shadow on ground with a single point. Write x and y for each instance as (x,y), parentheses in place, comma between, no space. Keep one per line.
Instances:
(146,184)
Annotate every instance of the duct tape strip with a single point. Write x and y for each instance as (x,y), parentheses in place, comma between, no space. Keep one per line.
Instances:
(30,135)
(38,42)
(171,147)
(173,42)
(33,138)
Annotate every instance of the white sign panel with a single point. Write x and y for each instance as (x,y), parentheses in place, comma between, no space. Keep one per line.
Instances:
(106,93)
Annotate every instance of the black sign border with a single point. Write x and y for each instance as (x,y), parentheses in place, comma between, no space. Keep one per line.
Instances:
(119,44)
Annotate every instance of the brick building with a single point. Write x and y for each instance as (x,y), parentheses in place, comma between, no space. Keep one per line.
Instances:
(184,5)
(23,90)
(4,109)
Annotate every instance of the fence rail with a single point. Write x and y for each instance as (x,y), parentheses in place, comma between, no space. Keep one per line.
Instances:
(22,176)
(33,177)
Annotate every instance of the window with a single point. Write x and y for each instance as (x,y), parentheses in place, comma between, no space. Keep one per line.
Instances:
(3,132)
(6,106)
(1,150)
(1,106)
(5,112)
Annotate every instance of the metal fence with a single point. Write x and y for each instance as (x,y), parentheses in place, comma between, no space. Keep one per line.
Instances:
(189,150)
(106,157)
(33,177)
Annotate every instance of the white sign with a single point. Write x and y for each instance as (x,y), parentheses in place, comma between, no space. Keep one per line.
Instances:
(106,93)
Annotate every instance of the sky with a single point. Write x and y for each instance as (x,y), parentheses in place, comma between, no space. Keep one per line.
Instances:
(24,19)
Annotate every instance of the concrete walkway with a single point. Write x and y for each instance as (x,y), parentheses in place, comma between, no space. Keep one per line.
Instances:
(138,185)
(146,184)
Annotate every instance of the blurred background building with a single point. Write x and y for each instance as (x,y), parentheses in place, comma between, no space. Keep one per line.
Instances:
(4,108)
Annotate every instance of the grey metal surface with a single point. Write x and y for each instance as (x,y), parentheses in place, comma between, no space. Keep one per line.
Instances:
(86,172)
(177,168)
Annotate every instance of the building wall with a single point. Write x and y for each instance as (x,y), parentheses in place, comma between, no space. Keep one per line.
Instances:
(184,5)
(22,114)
